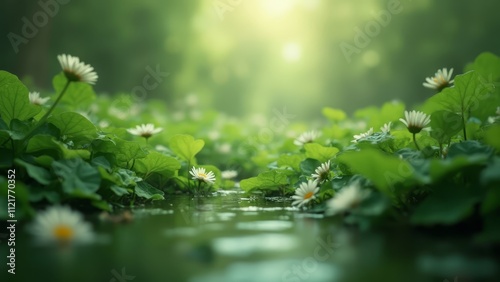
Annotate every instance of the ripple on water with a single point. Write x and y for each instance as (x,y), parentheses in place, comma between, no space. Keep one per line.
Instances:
(247,245)
(307,269)
(265,225)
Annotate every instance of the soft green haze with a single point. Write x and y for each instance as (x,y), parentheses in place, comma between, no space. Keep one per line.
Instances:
(255,55)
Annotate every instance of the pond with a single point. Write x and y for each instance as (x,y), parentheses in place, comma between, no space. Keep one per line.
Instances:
(230,237)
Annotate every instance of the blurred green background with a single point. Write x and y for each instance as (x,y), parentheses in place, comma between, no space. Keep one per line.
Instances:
(250,56)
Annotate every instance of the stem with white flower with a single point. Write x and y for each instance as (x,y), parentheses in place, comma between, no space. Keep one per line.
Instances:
(415,141)
(47,114)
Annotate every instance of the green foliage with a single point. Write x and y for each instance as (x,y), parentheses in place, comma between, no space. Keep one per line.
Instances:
(451,179)
(385,171)
(319,152)
(186,147)
(14,99)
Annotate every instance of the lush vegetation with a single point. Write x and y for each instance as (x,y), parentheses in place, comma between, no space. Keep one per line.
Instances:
(81,153)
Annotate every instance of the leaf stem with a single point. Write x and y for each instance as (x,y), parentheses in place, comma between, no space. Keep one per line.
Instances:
(415,141)
(464,129)
(47,114)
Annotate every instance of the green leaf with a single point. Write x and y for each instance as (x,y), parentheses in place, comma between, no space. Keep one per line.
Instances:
(74,126)
(14,99)
(487,65)
(308,166)
(469,148)
(439,169)
(319,152)
(48,145)
(186,147)
(78,177)
(385,171)
(119,191)
(492,136)
(292,161)
(156,162)
(491,173)
(445,125)
(124,151)
(333,114)
(268,180)
(40,174)
(448,205)
(145,190)
(77,96)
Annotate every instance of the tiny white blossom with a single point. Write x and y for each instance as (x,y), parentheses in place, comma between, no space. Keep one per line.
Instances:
(145,130)
(386,128)
(35,99)
(347,198)
(202,175)
(61,225)
(322,173)
(229,174)
(75,70)
(306,137)
(415,121)
(357,137)
(440,80)
(305,193)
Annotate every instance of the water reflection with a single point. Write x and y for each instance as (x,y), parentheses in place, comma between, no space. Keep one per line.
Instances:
(222,238)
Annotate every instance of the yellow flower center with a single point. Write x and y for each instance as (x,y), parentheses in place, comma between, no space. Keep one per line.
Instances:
(202,175)
(63,232)
(308,195)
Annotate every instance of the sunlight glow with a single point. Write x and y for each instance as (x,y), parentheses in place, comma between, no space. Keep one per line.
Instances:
(277,8)
(292,52)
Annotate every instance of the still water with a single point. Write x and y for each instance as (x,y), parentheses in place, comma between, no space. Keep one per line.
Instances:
(228,237)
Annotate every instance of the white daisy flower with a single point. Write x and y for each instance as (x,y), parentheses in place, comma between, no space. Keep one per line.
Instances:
(415,121)
(440,80)
(357,137)
(347,198)
(305,193)
(75,70)
(322,172)
(386,128)
(201,175)
(35,99)
(306,137)
(145,130)
(61,225)
(229,174)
